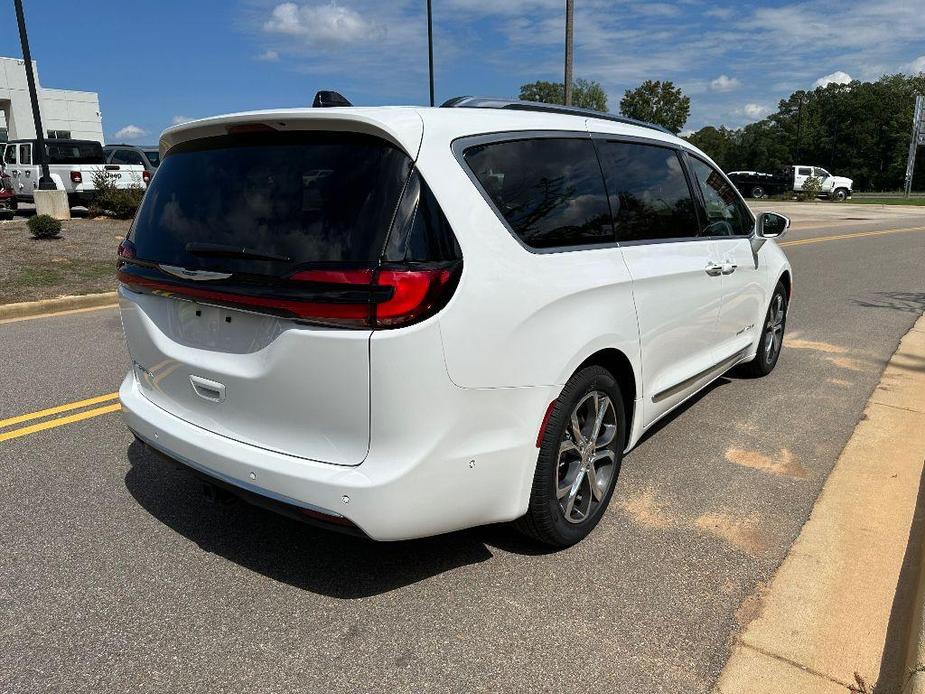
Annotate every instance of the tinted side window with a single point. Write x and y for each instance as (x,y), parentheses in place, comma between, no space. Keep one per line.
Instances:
(727,215)
(549,190)
(420,232)
(10,156)
(805,171)
(25,154)
(648,190)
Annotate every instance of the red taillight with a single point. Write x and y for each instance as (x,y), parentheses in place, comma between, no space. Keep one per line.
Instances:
(363,276)
(146,176)
(346,298)
(412,296)
(76,177)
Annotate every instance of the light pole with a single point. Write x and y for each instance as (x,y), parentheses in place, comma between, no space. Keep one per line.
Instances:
(45,182)
(569,12)
(430,49)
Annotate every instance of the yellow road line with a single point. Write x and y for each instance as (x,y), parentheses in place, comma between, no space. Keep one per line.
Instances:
(820,239)
(60,421)
(54,314)
(55,410)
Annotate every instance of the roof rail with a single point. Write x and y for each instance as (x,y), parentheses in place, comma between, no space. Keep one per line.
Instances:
(518,105)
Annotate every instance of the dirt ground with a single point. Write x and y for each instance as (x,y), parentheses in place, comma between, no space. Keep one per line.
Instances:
(82,260)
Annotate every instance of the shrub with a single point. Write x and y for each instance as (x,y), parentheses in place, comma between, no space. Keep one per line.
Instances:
(812,186)
(44,226)
(121,203)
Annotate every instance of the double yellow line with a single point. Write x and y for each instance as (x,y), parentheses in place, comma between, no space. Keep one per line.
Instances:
(58,421)
(857,234)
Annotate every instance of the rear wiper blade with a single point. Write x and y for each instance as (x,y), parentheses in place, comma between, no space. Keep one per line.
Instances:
(221,250)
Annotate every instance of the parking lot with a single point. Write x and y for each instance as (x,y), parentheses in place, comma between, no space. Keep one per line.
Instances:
(117,576)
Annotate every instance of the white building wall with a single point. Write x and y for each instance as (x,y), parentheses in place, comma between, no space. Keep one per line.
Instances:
(61,109)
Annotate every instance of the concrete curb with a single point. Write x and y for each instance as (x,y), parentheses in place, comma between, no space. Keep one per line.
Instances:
(915,657)
(26,309)
(847,601)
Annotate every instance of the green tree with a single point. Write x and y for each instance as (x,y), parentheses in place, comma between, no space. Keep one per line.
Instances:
(585,93)
(657,102)
(719,143)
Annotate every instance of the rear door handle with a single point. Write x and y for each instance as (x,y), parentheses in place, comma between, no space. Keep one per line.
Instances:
(714,270)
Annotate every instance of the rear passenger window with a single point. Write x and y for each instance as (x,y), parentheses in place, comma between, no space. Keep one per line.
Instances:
(25,154)
(549,190)
(726,213)
(648,190)
(10,156)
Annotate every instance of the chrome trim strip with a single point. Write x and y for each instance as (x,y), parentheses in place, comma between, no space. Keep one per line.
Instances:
(719,367)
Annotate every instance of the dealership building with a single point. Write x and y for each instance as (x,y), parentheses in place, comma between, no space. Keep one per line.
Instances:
(65,113)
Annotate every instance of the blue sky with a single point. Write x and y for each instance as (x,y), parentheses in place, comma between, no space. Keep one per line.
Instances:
(155,62)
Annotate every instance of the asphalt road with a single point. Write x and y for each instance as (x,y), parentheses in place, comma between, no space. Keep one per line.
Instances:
(116,576)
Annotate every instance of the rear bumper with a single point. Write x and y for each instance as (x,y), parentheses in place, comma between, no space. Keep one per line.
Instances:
(391,496)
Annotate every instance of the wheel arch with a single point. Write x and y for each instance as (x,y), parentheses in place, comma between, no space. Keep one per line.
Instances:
(787,280)
(620,366)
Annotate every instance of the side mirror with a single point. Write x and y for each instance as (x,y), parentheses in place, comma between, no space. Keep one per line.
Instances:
(771,225)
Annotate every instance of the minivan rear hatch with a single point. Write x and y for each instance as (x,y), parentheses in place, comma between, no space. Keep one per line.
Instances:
(248,279)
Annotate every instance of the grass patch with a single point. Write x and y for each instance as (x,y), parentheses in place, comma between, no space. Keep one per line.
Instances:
(888,201)
(82,260)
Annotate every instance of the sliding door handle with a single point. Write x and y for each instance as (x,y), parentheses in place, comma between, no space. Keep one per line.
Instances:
(714,270)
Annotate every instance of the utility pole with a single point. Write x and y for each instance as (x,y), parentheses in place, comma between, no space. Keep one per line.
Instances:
(430,48)
(45,182)
(918,137)
(569,13)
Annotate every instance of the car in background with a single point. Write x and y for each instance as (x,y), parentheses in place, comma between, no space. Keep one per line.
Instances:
(147,156)
(73,166)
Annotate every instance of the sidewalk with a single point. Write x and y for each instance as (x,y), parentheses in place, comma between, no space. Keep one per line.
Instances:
(844,601)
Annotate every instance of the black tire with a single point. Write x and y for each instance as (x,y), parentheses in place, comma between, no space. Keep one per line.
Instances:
(545,519)
(758,192)
(769,350)
(840,195)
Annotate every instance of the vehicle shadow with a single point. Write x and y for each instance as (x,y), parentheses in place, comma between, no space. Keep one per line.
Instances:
(322,561)
(689,403)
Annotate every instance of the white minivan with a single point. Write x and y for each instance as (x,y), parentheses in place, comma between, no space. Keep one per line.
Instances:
(404,321)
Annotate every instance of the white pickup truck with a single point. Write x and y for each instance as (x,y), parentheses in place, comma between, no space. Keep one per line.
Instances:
(790,179)
(72,165)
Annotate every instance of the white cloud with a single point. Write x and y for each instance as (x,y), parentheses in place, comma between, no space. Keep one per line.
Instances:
(754,111)
(724,84)
(916,66)
(322,25)
(268,56)
(176,120)
(837,77)
(130,132)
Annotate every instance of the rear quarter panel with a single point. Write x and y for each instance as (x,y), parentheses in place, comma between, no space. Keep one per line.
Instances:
(520,318)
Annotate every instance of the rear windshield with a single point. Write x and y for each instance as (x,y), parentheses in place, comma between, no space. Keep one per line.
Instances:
(74,152)
(286,199)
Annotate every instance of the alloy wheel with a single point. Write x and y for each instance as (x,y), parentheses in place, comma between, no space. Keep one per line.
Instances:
(586,462)
(774,330)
